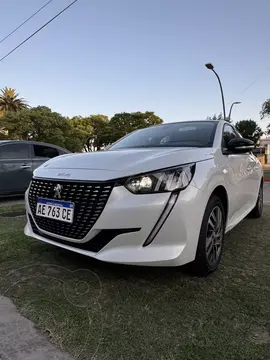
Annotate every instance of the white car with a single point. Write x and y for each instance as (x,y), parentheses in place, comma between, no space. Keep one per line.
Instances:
(161,196)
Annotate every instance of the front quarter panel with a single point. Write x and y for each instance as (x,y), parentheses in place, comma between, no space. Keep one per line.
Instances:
(241,185)
(208,176)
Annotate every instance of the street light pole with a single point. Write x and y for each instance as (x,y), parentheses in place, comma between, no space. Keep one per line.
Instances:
(211,67)
(234,103)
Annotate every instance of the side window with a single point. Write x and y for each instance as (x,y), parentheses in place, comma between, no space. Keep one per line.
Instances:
(42,151)
(228,134)
(14,152)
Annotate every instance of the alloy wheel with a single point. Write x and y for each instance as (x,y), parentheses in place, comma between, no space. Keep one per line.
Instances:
(215,232)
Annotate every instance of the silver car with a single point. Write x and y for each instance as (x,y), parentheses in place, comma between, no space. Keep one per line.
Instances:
(18,160)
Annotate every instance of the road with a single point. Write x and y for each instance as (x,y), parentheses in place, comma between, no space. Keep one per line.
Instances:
(20,340)
(267,192)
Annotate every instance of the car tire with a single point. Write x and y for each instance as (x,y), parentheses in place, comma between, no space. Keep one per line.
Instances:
(257,212)
(211,238)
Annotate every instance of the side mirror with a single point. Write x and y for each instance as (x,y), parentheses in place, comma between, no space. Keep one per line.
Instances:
(240,145)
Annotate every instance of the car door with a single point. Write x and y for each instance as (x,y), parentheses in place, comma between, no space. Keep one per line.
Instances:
(15,168)
(237,172)
(253,175)
(42,153)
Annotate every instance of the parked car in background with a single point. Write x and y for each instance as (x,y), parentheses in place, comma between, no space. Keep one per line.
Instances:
(165,196)
(18,160)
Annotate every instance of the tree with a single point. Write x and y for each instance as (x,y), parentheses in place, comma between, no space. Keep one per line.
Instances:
(94,131)
(83,127)
(10,101)
(76,134)
(3,133)
(265,109)
(267,132)
(41,124)
(249,129)
(101,132)
(123,123)
(265,112)
(215,117)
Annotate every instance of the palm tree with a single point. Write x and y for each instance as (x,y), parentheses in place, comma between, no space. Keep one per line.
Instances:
(9,101)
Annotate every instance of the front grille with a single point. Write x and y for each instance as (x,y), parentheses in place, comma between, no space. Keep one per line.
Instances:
(89,199)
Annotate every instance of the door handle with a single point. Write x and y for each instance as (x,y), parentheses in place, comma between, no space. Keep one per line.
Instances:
(25,166)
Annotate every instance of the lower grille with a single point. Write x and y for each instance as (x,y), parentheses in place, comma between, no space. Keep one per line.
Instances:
(95,245)
(89,200)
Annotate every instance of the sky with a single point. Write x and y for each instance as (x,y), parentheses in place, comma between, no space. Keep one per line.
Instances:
(110,56)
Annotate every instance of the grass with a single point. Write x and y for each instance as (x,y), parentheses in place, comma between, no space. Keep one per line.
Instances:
(96,310)
(11,208)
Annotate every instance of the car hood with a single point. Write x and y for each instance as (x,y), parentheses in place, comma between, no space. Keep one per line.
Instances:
(106,165)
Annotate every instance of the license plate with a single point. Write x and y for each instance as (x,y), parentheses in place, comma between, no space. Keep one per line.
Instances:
(55,209)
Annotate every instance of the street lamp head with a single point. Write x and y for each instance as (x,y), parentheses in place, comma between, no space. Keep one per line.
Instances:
(209,66)
(238,102)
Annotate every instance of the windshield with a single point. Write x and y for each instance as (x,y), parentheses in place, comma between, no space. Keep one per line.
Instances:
(182,134)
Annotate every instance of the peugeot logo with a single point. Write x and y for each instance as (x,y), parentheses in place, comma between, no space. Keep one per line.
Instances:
(57,191)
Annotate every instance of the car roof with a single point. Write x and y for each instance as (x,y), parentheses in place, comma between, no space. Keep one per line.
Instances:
(31,143)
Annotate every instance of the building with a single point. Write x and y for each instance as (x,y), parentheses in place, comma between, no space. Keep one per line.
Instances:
(260,154)
(266,144)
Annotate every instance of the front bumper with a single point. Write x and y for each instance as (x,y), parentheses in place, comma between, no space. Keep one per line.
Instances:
(136,215)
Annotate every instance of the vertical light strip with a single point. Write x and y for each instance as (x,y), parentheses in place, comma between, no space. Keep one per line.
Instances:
(163,217)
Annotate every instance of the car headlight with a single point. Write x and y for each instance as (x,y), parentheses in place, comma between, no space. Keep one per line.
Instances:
(167,180)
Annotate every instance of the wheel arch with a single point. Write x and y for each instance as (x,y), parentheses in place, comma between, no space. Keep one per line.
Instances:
(222,194)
